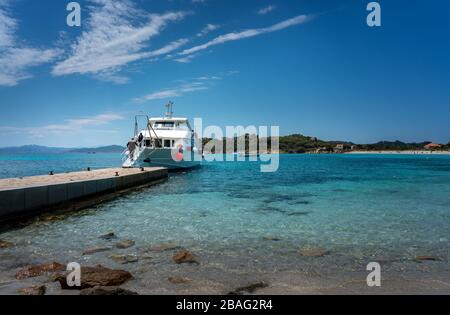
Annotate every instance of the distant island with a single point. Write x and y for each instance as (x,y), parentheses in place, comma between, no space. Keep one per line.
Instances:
(292,144)
(106,149)
(298,144)
(37,149)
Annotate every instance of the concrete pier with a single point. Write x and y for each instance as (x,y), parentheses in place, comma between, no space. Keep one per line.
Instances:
(28,196)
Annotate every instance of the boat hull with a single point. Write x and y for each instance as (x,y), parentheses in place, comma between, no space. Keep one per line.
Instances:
(163,158)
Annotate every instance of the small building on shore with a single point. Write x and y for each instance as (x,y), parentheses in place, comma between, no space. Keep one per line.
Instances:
(433,146)
(339,148)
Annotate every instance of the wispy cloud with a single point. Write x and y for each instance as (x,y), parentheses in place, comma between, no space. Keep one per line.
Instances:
(186,59)
(265,10)
(173,92)
(15,57)
(198,84)
(300,19)
(208,29)
(70,126)
(114,38)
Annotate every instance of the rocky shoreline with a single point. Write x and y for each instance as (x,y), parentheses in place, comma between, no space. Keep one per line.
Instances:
(188,274)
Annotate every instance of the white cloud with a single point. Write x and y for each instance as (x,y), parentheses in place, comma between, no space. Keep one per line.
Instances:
(7,27)
(71,126)
(266,10)
(186,59)
(173,92)
(198,84)
(208,29)
(115,36)
(300,19)
(16,58)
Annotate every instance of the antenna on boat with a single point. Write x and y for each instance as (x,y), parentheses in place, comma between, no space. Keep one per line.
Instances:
(169,112)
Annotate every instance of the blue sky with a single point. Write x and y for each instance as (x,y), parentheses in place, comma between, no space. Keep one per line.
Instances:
(310,67)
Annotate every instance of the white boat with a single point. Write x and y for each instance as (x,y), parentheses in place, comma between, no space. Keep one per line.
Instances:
(167,141)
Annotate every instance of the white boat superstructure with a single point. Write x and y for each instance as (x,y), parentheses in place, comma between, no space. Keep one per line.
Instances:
(167,141)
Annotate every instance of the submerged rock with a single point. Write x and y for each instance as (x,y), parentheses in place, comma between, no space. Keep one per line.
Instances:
(124,259)
(5,244)
(52,218)
(178,280)
(184,257)
(108,236)
(271,209)
(272,238)
(38,270)
(125,244)
(34,290)
(299,213)
(426,258)
(91,251)
(317,252)
(106,291)
(97,276)
(249,288)
(163,247)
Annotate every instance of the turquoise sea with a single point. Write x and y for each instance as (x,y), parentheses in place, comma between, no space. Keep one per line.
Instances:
(247,226)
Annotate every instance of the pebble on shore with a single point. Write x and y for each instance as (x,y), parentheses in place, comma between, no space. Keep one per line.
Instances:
(38,270)
(34,290)
(96,276)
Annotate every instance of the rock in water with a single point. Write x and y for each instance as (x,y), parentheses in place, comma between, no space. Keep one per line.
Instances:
(91,251)
(35,290)
(314,252)
(125,244)
(5,244)
(184,257)
(178,280)
(108,236)
(97,276)
(272,238)
(124,259)
(426,258)
(106,291)
(163,247)
(35,271)
(50,218)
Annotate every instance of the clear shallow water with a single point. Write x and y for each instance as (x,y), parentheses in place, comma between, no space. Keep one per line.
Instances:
(361,208)
(33,164)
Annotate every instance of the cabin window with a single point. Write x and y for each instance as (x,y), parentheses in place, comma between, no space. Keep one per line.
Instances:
(163,124)
(148,143)
(173,143)
(167,143)
(158,143)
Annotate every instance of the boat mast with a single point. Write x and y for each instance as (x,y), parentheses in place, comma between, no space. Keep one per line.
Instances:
(169,112)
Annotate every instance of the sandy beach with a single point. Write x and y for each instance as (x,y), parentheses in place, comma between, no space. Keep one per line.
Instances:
(408,152)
